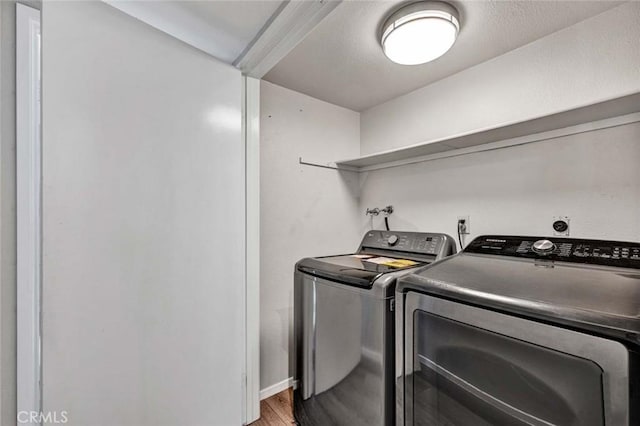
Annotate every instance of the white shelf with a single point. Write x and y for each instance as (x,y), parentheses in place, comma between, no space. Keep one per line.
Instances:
(601,115)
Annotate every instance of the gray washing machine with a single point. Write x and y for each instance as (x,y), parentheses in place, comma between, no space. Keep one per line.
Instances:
(522,331)
(344,333)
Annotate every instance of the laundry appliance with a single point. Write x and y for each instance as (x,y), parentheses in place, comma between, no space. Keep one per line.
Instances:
(522,331)
(344,327)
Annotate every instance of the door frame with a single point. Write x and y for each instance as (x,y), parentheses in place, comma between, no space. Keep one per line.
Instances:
(251,136)
(28,210)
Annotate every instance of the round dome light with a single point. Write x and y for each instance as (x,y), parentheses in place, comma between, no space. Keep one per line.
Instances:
(420,32)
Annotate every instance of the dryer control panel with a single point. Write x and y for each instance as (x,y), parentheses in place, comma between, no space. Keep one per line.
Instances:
(405,242)
(596,252)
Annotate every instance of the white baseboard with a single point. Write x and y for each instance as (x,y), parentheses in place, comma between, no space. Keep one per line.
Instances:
(277,388)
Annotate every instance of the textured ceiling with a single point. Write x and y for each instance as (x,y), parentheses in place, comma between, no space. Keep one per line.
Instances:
(341,61)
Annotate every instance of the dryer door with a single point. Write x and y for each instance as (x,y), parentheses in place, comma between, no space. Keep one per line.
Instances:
(469,366)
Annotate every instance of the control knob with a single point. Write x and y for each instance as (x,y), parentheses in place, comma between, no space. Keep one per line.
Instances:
(392,240)
(543,247)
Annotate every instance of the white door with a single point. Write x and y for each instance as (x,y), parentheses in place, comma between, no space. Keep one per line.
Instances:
(143,225)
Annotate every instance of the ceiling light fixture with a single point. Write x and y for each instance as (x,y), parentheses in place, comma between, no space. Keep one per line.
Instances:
(420,32)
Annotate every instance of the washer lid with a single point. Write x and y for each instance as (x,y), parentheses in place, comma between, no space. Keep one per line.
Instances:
(359,270)
(601,299)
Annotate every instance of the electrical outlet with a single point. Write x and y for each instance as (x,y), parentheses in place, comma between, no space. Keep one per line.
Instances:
(464,227)
(560,225)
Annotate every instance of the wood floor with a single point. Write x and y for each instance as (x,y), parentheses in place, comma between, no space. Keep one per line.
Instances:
(276,410)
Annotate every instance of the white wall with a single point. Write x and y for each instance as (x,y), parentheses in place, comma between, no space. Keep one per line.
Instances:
(305,211)
(591,61)
(143,233)
(593,178)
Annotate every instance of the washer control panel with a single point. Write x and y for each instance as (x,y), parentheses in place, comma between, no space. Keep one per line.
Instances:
(408,242)
(597,252)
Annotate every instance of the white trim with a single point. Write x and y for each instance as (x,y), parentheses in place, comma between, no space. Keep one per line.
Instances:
(251,130)
(278,387)
(28,206)
(246,407)
(289,27)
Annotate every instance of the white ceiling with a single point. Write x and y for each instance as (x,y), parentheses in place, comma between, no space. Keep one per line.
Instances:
(222,28)
(341,61)
(240,21)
